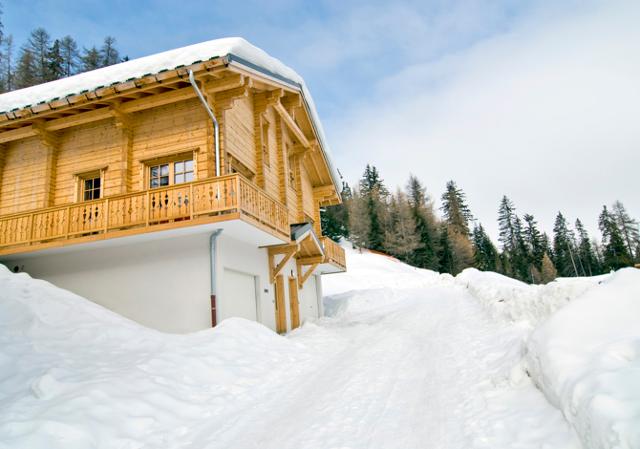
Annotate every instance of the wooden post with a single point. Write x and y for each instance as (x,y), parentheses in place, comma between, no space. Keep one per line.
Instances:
(281,318)
(294,304)
(68,225)
(105,212)
(191,201)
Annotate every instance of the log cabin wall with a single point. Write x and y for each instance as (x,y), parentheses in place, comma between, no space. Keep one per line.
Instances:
(239,130)
(85,149)
(43,171)
(21,183)
(168,130)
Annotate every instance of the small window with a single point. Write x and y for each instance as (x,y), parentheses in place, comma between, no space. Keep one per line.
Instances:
(91,188)
(89,185)
(178,172)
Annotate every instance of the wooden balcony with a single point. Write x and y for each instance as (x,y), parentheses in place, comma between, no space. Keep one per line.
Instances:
(334,254)
(211,200)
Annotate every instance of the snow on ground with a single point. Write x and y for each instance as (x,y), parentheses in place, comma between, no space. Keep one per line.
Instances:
(407,359)
(586,358)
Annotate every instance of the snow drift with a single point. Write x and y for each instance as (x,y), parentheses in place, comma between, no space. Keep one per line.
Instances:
(75,375)
(586,358)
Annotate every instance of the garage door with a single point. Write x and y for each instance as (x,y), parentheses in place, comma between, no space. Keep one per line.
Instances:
(238,297)
(309,299)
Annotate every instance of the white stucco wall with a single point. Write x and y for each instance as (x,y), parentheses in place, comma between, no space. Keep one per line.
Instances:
(165,283)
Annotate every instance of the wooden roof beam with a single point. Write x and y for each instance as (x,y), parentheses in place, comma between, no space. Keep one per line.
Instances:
(292,125)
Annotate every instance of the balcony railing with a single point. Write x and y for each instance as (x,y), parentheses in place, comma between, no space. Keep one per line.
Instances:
(214,199)
(333,253)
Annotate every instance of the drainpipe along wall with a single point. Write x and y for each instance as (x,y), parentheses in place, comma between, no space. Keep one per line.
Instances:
(216,128)
(213,253)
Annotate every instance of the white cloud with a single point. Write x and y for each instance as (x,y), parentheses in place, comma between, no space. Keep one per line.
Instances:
(547,113)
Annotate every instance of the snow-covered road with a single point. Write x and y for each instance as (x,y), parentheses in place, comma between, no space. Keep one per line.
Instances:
(420,371)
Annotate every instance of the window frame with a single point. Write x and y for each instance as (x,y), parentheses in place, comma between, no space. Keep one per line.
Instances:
(171,161)
(80,184)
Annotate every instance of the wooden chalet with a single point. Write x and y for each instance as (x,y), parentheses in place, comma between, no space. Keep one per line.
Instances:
(117,184)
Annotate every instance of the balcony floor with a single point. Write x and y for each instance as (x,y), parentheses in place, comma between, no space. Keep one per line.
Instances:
(235,228)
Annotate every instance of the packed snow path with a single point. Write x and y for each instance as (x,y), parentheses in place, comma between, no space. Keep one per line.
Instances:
(419,372)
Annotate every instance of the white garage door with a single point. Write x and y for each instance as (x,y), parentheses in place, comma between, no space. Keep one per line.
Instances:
(238,298)
(309,299)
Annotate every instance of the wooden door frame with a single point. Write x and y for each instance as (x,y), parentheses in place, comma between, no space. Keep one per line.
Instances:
(281,313)
(294,302)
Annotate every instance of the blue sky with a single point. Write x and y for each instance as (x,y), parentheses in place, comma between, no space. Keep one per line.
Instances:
(532,99)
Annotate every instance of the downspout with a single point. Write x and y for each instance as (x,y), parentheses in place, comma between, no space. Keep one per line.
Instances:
(213,251)
(216,128)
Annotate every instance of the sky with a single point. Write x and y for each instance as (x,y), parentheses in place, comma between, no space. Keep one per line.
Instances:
(536,100)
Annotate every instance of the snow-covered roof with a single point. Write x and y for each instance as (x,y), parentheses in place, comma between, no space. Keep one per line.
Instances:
(239,51)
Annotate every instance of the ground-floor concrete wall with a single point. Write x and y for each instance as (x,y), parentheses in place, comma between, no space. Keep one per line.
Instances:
(165,283)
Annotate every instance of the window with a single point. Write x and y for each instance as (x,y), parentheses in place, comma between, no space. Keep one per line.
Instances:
(183,171)
(175,172)
(91,188)
(89,185)
(159,175)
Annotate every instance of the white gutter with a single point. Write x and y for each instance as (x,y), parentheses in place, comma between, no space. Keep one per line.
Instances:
(216,128)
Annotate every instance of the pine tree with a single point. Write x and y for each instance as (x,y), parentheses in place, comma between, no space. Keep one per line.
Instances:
(6,65)
(628,226)
(38,44)
(534,241)
(401,239)
(108,53)
(562,248)
(375,193)
(70,55)
(90,59)
(486,254)
(55,65)
(455,210)
(586,254)
(424,256)
(26,69)
(615,253)
(506,225)
(637,259)
(520,256)
(335,219)
(514,249)
(445,252)
(457,215)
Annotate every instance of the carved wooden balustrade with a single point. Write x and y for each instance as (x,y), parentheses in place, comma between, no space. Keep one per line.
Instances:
(334,253)
(215,199)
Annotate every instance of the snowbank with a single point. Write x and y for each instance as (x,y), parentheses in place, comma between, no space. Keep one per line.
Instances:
(511,300)
(75,375)
(586,359)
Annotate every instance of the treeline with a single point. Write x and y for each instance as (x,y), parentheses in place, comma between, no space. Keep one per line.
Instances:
(43,58)
(405,225)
